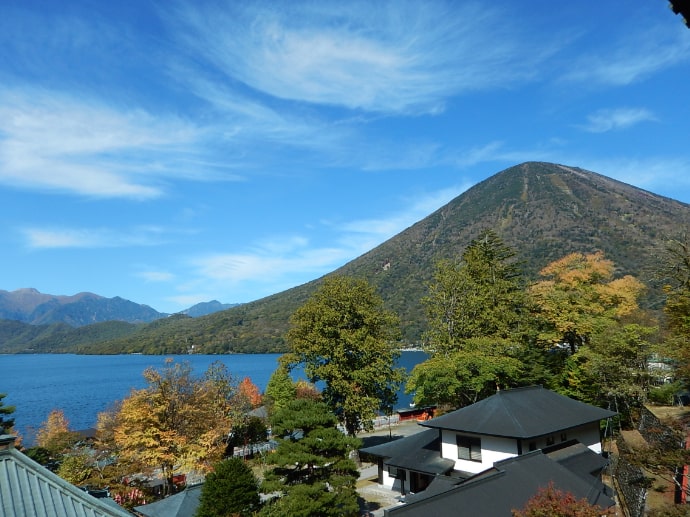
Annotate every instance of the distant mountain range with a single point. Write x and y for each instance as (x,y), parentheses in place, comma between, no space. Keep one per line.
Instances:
(35,308)
(543,210)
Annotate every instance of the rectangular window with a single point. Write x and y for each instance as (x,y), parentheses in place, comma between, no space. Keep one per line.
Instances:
(550,440)
(396,473)
(469,448)
(564,437)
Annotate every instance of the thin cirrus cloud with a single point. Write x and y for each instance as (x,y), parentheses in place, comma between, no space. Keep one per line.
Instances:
(90,238)
(642,53)
(357,55)
(274,260)
(156,276)
(55,142)
(605,120)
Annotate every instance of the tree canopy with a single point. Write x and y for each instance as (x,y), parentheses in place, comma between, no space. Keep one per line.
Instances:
(475,308)
(6,423)
(479,296)
(346,339)
(580,297)
(312,472)
(230,490)
(178,422)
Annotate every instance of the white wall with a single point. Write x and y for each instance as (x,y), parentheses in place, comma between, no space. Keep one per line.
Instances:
(496,449)
(493,449)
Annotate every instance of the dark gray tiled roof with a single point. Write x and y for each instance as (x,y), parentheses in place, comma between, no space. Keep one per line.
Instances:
(506,486)
(420,452)
(28,489)
(520,413)
(183,504)
(402,445)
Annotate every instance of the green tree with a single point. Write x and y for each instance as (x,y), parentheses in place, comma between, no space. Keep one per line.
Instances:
(475,309)
(312,472)
(280,389)
(230,490)
(6,423)
(611,370)
(675,272)
(480,296)
(463,377)
(346,338)
(76,467)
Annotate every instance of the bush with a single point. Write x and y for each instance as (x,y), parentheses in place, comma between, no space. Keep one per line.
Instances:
(663,395)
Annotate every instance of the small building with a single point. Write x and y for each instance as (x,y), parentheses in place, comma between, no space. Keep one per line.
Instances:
(471,443)
(513,422)
(511,483)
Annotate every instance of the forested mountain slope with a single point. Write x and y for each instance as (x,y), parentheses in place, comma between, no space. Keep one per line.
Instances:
(543,210)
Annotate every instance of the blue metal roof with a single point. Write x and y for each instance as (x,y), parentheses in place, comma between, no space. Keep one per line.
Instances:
(28,489)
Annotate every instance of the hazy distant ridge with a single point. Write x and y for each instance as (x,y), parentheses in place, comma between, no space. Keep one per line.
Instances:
(30,306)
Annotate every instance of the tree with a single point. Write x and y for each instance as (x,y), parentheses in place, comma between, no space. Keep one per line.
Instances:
(280,389)
(475,308)
(76,467)
(463,377)
(230,490)
(312,470)
(612,369)
(178,423)
(580,297)
(480,296)
(553,502)
(675,272)
(6,423)
(344,337)
(55,436)
(250,392)
(596,323)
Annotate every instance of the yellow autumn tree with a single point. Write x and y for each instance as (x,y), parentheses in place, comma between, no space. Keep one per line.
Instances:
(178,423)
(54,435)
(580,297)
(607,336)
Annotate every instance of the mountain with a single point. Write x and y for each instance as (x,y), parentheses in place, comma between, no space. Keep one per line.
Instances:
(36,308)
(204,308)
(543,210)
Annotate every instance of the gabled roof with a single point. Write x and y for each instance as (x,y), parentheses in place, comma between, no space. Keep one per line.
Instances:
(505,487)
(183,504)
(28,489)
(520,413)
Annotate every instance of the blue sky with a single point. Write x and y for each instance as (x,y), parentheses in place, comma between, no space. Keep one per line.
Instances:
(178,152)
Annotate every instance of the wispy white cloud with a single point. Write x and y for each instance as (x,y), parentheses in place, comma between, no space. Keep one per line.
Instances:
(605,120)
(388,57)
(639,53)
(156,276)
(52,142)
(45,238)
(275,262)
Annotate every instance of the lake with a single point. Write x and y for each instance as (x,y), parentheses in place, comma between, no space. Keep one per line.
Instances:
(84,385)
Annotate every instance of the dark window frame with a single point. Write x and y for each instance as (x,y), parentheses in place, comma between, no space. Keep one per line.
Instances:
(469,447)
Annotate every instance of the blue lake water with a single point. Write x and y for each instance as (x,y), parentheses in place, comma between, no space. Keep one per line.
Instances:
(84,385)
